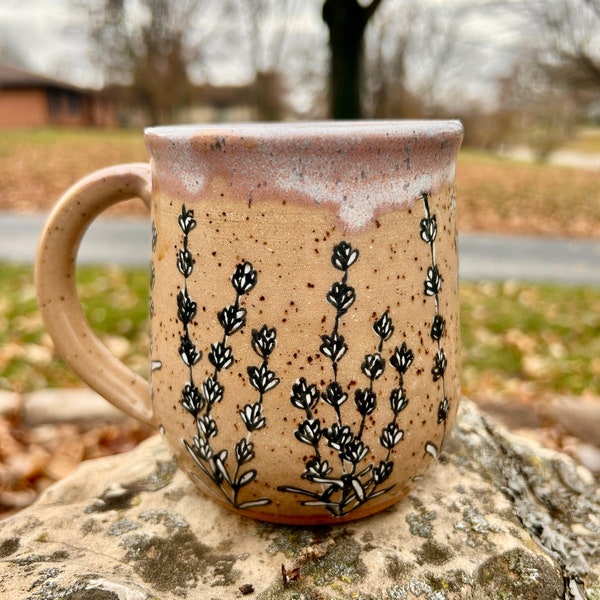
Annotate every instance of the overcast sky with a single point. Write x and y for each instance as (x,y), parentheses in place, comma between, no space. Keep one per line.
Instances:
(50,38)
(47,36)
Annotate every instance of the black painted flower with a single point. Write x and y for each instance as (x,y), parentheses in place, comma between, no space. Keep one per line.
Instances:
(186,307)
(186,220)
(262,379)
(185,262)
(191,399)
(366,401)
(341,297)
(437,328)
(316,469)
(440,364)
(202,448)
(390,436)
(333,347)
(443,409)
(398,400)
(244,451)
(264,341)
(334,395)
(338,436)
(309,432)
(303,395)
(373,366)
(190,355)
(402,358)
(220,356)
(354,451)
(382,471)
(428,229)
(383,326)
(433,283)
(344,256)
(244,278)
(232,318)
(252,416)
(212,391)
(208,426)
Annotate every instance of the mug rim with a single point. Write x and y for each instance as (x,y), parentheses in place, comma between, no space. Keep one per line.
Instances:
(325,128)
(319,160)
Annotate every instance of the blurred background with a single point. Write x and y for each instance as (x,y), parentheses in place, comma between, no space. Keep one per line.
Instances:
(79,79)
(517,71)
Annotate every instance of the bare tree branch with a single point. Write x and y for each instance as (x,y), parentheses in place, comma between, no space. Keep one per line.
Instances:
(147,48)
(371,8)
(567,41)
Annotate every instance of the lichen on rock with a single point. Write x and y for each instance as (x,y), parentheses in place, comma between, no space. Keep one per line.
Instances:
(497,517)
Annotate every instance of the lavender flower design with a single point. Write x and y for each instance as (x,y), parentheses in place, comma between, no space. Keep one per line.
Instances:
(341,490)
(432,288)
(357,473)
(200,400)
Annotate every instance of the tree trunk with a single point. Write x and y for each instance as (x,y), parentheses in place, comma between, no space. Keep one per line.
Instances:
(347,21)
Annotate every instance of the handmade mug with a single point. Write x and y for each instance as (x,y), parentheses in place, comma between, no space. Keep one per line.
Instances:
(304,353)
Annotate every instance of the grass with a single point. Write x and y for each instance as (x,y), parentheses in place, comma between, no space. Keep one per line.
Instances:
(50,137)
(115,302)
(38,165)
(506,196)
(518,339)
(587,141)
(531,340)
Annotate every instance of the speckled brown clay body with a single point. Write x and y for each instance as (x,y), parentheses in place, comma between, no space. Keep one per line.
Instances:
(304,309)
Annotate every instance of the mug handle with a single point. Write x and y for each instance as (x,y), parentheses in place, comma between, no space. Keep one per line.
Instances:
(56,288)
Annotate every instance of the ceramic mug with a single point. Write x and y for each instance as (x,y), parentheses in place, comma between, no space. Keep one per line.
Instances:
(304,354)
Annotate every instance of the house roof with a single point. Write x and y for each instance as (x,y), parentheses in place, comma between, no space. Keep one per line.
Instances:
(11,77)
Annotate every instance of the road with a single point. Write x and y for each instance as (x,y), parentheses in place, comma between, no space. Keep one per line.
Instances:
(529,259)
(493,257)
(120,241)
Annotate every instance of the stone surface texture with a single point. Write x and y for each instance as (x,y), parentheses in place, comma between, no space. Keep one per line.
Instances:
(77,405)
(497,517)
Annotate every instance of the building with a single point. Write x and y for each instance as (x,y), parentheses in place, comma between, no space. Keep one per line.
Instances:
(31,100)
(261,99)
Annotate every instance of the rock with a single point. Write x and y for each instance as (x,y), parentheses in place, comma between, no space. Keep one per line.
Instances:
(497,517)
(69,405)
(585,454)
(577,416)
